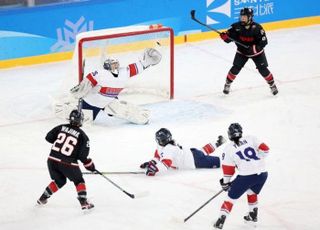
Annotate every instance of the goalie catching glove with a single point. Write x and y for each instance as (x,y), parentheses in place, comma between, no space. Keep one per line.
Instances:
(82,89)
(151,57)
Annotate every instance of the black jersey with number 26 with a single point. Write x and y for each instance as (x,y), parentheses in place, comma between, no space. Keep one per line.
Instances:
(69,143)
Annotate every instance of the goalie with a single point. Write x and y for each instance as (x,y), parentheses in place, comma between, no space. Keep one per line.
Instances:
(99,90)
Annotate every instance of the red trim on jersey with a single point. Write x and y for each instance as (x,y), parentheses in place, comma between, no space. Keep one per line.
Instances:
(167,163)
(53,187)
(227,206)
(92,80)
(156,154)
(81,187)
(110,91)
(269,77)
(133,69)
(263,147)
(231,76)
(208,148)
(252,199)
(228,170)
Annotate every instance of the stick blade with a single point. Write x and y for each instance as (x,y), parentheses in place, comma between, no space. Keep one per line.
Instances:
(177,220)
(141,194)
(193,12)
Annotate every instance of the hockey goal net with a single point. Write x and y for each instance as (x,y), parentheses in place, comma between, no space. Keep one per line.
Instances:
(127,45)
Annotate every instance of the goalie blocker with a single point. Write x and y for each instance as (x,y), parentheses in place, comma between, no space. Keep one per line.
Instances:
(100,89)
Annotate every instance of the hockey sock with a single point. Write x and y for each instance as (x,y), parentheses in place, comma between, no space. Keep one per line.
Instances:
(269,79)
(230,78)
(81,190)
(252,201)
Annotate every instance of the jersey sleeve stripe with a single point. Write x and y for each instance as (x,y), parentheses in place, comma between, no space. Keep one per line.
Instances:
(208,148)
(92,80)
(228,170)
(156,155)
(133,70)
(263,147)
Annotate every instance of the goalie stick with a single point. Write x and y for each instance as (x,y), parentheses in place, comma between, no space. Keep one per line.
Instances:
(193,17)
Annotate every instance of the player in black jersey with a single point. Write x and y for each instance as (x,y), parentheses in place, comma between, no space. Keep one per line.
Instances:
(70,144)
(251,34)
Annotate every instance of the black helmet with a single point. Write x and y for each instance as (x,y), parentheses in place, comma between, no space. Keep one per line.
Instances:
(163,137)
(76,118)
(235,131)
(247,12)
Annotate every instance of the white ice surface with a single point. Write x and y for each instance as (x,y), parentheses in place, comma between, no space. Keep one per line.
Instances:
(289,123)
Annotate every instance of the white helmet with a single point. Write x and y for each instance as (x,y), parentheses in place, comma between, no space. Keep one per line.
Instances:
(112,65)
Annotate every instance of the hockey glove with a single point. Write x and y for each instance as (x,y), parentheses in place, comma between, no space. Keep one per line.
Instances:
(225,37)
(89,165)
(145,164)
(225,186)
(220,141)
(152,169)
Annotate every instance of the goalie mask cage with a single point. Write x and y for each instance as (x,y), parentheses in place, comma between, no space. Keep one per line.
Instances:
(127,44)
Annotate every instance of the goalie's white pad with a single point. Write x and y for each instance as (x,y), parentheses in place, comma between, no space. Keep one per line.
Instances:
(151,57)
(82,89)
(62,107)
(128,111)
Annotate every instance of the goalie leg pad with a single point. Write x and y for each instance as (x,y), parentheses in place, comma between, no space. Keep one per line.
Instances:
(128,111)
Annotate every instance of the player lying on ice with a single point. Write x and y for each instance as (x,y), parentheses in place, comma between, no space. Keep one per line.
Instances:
(170,155)
(99,90)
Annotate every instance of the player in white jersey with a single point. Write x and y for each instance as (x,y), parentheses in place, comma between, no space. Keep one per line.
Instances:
(99,90)
(170,155)
(247,154)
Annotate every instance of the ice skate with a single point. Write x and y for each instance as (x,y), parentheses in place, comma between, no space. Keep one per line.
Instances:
(43,199)
(252,217)
(220,222)
(274,89)
(226,89)
(85,205)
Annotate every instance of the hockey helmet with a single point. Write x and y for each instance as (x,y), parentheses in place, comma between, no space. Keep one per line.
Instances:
(235,131)
(163,136)
(246,12)
(112,65)
(76,118)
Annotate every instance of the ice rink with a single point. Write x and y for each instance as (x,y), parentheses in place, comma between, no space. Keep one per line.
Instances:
(289,123)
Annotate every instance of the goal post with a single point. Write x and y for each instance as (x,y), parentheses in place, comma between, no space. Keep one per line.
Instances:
(127,45)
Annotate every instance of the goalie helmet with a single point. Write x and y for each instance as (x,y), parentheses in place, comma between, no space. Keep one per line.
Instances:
(235,131)
(76,118)
(112,65)
(163,137)
(246,12)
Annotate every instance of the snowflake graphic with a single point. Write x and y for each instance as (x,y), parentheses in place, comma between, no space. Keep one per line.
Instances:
(66,36)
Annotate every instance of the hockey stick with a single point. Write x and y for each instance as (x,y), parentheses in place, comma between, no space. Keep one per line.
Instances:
(193,12)
(124,191)
(207,202)
(114,173)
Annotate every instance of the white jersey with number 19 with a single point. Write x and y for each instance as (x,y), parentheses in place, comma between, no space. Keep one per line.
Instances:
(248,157)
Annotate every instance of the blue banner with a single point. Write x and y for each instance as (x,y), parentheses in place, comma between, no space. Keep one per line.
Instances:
(50,29)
